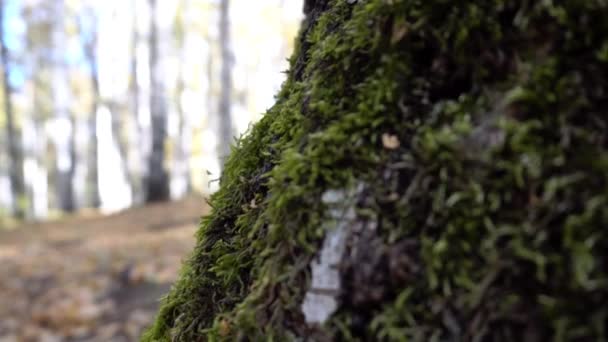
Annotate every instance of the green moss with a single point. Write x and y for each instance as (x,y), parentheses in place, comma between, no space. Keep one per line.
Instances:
(490,213)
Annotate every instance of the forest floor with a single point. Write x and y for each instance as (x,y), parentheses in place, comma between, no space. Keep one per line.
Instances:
(92,278)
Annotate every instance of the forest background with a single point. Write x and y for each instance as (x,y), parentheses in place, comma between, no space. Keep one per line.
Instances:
(111,104)
(115,119)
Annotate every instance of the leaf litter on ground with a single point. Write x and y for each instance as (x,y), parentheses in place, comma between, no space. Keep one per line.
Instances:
(92,278)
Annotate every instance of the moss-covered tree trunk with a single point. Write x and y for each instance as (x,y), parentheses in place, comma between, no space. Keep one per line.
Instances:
(432,171)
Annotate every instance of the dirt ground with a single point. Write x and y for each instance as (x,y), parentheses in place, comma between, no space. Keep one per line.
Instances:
(92,278)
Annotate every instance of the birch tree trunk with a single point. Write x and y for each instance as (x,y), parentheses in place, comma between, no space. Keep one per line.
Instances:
(92,184)
(157,185)
(135,159)
(183,146)
(226,132)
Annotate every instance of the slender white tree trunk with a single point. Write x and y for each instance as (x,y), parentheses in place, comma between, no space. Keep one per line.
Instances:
(226,133)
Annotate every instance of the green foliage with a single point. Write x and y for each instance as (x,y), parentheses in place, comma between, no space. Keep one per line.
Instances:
(491,210)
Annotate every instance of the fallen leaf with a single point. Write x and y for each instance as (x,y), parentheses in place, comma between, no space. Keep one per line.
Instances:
(390,141)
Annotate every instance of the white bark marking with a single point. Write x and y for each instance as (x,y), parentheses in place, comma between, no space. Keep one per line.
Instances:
(320,301)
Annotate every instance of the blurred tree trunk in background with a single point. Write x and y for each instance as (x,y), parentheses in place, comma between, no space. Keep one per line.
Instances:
(35,140)
(12,129)
(134,160)
(157,183)
(119,121)
(92,184)
(225,115)
(64,139)
(184,137)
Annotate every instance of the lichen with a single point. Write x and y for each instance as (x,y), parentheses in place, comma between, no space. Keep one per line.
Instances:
(489,213)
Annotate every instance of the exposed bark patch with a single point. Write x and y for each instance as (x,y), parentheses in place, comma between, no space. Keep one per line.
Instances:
(320,301)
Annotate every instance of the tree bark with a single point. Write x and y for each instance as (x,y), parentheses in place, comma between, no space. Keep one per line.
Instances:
(157,185)
(12,131)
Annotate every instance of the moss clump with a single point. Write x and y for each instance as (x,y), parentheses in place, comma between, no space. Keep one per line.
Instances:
(480,134)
